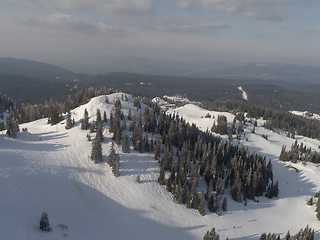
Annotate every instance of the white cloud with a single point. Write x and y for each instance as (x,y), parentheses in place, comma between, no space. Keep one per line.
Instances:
(181,25)
(63,22)
(106,6)
(259,9)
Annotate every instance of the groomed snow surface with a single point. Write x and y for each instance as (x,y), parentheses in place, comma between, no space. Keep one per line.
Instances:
(48,169)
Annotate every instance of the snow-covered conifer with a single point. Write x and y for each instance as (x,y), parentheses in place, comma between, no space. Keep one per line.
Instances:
(44,222)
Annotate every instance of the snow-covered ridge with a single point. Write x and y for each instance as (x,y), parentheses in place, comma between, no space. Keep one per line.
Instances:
(306,114)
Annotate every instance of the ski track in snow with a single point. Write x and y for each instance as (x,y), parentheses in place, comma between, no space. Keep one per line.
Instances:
(244,94)
(49,169)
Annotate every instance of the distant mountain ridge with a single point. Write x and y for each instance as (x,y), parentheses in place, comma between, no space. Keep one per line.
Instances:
(272,71)
(37,70)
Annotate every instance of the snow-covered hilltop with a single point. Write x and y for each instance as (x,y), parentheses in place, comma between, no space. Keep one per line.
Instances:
(49,169)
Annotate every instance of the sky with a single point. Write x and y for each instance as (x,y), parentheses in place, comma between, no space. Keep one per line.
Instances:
(183,30)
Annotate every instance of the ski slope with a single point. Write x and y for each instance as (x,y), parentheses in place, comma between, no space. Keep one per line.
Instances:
(48,169)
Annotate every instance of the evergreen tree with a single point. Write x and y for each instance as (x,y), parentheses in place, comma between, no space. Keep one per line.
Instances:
(69,123)
(12,127)
(157,151)
(211,235)
(85,121)
(114,160)
(129,115)
(126,144)
(310,201)
(138,180)
(224,205)
(218,205)
(201,204)
(96,151)
(161,178)
(44,222)
(287,237)
(54,115)
(105,117)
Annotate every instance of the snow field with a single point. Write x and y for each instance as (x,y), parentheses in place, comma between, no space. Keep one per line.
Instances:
(48,169)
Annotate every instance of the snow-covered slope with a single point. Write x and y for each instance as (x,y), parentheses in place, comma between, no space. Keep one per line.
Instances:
(48,169)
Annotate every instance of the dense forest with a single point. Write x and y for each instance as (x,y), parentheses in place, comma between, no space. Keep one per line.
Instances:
(274,119)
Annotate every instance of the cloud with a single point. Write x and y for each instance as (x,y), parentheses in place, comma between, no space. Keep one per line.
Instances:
(181,25)
(309,31)
(130,7)
(259,9)
(63,22)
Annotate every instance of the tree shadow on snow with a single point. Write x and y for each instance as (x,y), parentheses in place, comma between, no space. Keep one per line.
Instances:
(138,164)
(120,222)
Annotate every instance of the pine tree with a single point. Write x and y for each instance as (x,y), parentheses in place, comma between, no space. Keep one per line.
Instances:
(157,151)
(68,121)
(310,201)
(218,205)
(129,115)
(224,205)
(44,222)
(54,115)
(105,117)
(161,178)
(12,127)
(85,121)
(287,237)
(96,151)
(125,144)
(211,235)
(138,180)
(114,160)
(201,204)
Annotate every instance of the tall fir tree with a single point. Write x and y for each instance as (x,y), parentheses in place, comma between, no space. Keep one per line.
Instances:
(114,160)
(85,121)
(69,123)
(96,151)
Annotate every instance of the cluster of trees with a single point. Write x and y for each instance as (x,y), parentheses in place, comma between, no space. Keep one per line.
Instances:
(299,152)
(318,209)
(221,126)
(52,109)
(304,234)
(211,235)
(189,155)
(275,119)
(12,127)
(5,104)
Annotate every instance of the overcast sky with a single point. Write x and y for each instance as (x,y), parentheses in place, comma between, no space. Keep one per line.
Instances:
(185,30)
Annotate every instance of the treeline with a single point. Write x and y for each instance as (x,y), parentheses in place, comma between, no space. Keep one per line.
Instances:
(304,234)
(6,104)
(51,109)
(299,152)
(275,119)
